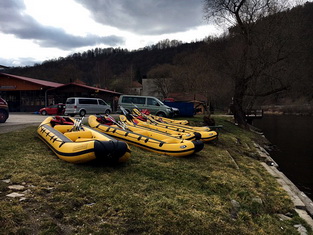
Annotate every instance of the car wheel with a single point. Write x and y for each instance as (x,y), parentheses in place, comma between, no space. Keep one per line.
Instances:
(107,111)
(44,112)
(3,116)
(82,113)
(161,114)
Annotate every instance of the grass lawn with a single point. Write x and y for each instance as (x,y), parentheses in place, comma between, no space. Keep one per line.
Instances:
(221,190)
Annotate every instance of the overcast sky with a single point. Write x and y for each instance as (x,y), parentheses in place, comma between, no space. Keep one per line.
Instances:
(32,31)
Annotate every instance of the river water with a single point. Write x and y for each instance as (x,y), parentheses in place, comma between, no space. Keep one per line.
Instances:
(293,137)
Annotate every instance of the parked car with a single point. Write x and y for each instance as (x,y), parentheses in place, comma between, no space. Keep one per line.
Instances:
(4,110)
(83,106)
(154,105)
(56,109)
(176,111)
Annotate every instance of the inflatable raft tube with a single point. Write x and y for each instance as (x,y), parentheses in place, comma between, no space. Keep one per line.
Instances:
(137,124)
(81,146)
(149,140)
(168,120)
(205,133)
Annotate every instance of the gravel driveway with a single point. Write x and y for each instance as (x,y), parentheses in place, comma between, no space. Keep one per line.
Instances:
(20,120)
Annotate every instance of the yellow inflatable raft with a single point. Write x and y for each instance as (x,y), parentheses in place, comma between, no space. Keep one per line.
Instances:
(168,120)
(75,143)
(150,140)
(205,134)
(135,124)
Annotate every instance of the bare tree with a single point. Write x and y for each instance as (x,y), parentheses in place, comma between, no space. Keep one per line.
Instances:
(254,52)
(195,74)
(102,73)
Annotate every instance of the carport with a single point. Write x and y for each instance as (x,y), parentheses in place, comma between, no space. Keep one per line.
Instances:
(61,93)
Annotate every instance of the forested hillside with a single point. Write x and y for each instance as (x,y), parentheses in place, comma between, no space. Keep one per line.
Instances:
(282,65)
(106,67)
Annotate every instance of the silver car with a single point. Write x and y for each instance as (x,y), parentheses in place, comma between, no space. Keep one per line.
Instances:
(154,105)
(83,106)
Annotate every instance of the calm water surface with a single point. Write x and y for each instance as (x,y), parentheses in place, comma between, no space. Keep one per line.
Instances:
(293,136)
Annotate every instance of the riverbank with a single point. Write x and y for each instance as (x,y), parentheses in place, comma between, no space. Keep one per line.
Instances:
(290,109)
(221,190)
(303,205)
(291,147)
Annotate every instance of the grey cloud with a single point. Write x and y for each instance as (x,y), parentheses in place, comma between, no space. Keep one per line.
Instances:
(23,26)
(147,16)
(57,38)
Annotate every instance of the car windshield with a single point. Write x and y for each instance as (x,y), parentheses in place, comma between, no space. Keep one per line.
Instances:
(101,102)
(160,102)
(70,101)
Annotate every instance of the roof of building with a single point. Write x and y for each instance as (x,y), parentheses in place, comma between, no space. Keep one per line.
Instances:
(54,85)
(89,87)
(33,80)
(136,84)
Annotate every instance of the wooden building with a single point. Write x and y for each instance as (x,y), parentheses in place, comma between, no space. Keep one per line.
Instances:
(25,94)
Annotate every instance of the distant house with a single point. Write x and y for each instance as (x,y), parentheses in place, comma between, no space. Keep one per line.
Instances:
(149,87)
(26,94)
(135,88)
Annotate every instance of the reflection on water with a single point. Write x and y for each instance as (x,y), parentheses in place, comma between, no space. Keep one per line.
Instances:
(293,135)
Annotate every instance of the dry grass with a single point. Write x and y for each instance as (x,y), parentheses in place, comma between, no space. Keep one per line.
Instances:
(220,190)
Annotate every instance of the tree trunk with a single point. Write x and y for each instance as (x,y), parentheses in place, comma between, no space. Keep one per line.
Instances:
(238,111)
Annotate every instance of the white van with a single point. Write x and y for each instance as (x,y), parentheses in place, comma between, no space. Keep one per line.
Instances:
(154,105)
(83,106)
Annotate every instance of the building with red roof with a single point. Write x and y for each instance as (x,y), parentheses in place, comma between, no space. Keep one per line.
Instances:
(25,94)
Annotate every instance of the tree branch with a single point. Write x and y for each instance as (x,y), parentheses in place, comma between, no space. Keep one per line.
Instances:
(277,90)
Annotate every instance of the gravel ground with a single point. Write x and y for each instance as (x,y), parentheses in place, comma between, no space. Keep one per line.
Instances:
(20,120)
